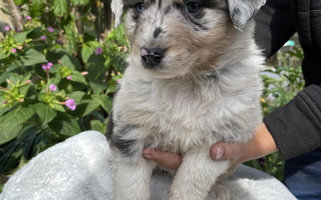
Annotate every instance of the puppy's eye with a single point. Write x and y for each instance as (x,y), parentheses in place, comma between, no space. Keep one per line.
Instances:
(193,7)
(139,7)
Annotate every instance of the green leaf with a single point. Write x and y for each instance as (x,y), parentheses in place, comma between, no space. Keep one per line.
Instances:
(97,126)
(93,44)
(37,7)
(88,49)
(16,116)
(96,74)
(80,2)
(10,122)
(45,112)
(104,101)
(64,125)
(66,61)
(77,95)
(86,107)
(21,37)
(60,8)
(4,55)
(59,108)
(111,88)
(4,109)
(16,78)
(4,76)
(31,57)
(72,37)
(86,52)
(91,106)
(78,77)
(7,135)
(23,89)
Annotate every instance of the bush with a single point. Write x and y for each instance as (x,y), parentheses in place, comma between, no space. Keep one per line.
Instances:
(57,77)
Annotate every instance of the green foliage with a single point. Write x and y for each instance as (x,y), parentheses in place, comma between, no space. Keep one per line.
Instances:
(57,77)
(281,84)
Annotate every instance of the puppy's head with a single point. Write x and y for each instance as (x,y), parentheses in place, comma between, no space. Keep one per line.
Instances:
(171,38)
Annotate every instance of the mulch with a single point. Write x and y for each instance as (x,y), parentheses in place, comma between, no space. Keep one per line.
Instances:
(3,179)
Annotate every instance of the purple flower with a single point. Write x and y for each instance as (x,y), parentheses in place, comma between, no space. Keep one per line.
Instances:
(51,30)
(69,77)
(28,18)
(14,50)
(44,38)
(70,103)
(59,41)
(44,67)
(261,161)
(99,51)
(47,66)
(53,87)
(7,28)
(5,102)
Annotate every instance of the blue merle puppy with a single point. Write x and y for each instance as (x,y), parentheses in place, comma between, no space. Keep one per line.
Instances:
(192,80)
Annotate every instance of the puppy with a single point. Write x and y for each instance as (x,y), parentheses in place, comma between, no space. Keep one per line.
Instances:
(192,80)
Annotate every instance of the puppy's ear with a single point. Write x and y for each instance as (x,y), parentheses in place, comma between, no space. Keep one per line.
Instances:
(118,9)
(243,10)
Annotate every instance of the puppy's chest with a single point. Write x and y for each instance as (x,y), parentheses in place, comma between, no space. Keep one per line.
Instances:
(169,105)
(176,125)
(172,117)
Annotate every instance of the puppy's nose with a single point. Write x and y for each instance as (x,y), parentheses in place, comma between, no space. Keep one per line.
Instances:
(152,56)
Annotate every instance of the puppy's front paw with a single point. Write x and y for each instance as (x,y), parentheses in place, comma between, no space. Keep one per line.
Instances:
(220,192)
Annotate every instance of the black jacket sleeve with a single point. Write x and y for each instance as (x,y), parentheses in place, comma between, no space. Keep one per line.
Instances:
(274,26)
(296,127)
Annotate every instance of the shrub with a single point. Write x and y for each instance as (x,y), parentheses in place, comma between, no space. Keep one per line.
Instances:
(57,77)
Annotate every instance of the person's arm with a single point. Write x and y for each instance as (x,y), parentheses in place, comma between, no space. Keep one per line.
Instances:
(260,145)
(296,127)
(274,26)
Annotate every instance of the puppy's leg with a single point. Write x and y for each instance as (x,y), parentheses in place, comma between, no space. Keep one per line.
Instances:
(219,191)
(133,172)
(196,176)
(132,181)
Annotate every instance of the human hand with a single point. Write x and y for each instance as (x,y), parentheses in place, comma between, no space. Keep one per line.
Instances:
(166,159)
(260,145)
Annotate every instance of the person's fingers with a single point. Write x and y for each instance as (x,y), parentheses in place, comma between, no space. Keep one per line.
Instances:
(166,159)
(219,152)
(226,151)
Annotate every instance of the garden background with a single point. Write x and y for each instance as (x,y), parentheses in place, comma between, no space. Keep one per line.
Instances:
(60,61)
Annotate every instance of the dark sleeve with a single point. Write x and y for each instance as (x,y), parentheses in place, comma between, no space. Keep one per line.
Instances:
(296,127)
(307,18)
(274,26)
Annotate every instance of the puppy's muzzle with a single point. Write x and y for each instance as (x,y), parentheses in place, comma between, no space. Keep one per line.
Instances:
(152,57)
